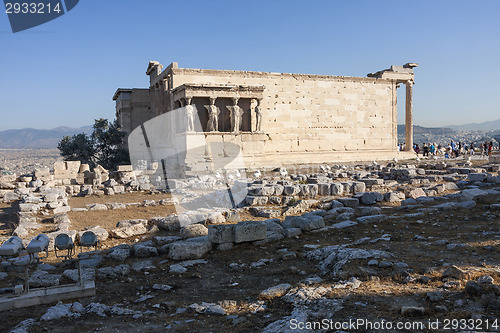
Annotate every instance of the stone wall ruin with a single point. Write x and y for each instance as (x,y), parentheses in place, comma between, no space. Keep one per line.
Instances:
(276,118)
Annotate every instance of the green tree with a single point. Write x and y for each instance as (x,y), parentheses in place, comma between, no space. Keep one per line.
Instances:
(104,146)
(78,147)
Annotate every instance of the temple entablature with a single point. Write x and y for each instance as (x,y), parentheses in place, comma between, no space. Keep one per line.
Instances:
(191,90)
(401,74)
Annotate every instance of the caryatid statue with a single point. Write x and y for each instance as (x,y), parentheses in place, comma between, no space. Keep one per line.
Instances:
(189,116)
(258,116)
(213,116)
(236,115)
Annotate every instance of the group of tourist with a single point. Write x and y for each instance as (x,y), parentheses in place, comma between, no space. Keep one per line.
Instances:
(451,150)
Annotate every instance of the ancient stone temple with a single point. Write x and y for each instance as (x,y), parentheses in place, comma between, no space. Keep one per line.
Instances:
(273,118)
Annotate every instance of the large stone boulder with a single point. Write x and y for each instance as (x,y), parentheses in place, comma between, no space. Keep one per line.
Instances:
(324,189)
(349,202)
(193,248)
(477,177)
(42,279)
(253,200)
(358,187)
(472,193)
(171,222)
(336,189)
(276,291)
(194,230)
(129,228)
(416,193)
(291,190)
(119,254)
(249,231)
(308,222)
(394,196)
(371,218)
(370,198)
(299,207)
(144,251)
(219,234)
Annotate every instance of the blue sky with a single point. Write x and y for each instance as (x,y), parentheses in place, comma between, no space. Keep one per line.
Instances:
(66,71)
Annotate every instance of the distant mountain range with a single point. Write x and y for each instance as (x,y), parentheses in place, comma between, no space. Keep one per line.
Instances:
(484,126)
(426,130)
(37,138)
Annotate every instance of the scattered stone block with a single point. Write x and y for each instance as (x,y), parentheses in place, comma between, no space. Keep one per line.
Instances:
(116,205)
(412,311)
(220,234)
(249,231)
(176,268)
(416,193)
(291,190)
(256,200)
(215,218)
(299,207)
(344,224)
(469,204)
(265,212)
(292,232)
(143,266)
(454,272)
(88,274)
(313,190)
(42,279)
(370,198)
(275,292)
(193,248)
(308,222)
(130,229)
(336,189)
(10,196)
(358,187)
(324,189)
(113,272)
(97,207)
(409,202)
(364,211)
(472,193)
(62,209)
(345,216)
(477,177)
(349,202)
(372,181)
(119,254)
(144,251)
(371,218)
(193,230)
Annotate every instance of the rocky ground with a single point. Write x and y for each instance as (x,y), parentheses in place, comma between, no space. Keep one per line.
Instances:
(416,269)
(428,264)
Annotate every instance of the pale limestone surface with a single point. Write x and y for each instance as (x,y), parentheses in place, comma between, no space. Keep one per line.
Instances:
(264,118)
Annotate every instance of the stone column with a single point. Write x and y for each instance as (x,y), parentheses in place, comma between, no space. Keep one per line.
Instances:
(395,140)
(409,115)
(161,88)
(168,88)
(157,99)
